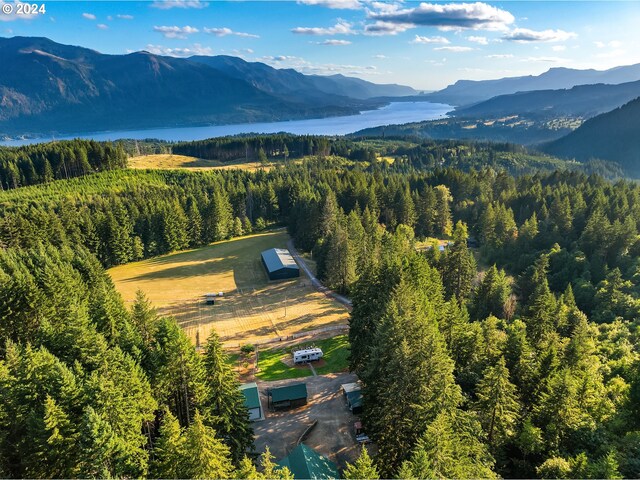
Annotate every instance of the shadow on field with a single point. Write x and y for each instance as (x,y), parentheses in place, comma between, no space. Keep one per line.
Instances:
(183,271)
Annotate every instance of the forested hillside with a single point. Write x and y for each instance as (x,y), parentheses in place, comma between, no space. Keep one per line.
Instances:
(45,162)
(519,359)
(582,101)
(611,136)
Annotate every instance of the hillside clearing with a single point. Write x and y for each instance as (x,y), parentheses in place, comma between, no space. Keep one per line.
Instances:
(170,162)
(252,310)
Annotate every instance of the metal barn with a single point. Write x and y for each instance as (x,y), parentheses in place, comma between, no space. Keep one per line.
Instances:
(279,264)
(252,401)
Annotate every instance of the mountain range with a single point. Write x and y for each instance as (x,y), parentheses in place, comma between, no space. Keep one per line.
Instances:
(55,88)
(580,101)
(467,92)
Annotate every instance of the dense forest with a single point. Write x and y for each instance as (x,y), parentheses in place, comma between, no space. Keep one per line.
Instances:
(43,163)
(516,359)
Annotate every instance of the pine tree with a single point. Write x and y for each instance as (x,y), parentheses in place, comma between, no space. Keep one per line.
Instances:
(459,265)
(362,469)
(204,455)
(450,448)
(443,223)
(497,404)
(226,410)
(409,379)
(270,470)
(168,449)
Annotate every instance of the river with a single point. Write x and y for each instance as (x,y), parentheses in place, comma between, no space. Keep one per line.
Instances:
(394,113)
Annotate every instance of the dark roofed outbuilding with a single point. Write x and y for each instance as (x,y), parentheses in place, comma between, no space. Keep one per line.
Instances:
(280,264)
(292,395)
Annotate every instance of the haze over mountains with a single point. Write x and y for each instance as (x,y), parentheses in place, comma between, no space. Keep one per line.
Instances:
(52,87)
(465,92)
(580,101)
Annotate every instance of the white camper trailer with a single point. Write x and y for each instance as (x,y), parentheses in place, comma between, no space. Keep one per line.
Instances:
(307,355)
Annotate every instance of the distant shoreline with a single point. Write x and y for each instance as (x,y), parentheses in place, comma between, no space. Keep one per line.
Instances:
(397,112)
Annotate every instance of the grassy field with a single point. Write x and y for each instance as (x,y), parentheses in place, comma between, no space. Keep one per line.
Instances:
(252,309)
(275,364)
(171,162)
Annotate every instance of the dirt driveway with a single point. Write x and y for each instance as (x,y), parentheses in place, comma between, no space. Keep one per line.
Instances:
(333,435)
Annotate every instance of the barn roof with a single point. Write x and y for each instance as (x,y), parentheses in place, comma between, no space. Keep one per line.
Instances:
(278,258)
(305,462)
(291,392)
(251,395)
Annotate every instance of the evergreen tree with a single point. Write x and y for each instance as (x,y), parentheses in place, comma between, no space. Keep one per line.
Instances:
(204,456)
(459,265)
(497,404)
(226,410)
(362,469)
(450,448)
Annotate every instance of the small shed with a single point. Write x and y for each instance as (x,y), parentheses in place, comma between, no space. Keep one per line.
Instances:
(288,396)
(307,355)
(353,396)
(304,462)
(252,401)
(279,264)
(210,298)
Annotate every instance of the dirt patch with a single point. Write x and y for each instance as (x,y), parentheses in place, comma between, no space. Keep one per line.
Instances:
(333,436)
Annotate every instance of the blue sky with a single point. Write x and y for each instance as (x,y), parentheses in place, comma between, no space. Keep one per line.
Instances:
(423,44)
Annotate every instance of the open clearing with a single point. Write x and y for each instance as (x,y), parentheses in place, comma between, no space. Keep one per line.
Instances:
(276,363)
(252,310)
(171,162)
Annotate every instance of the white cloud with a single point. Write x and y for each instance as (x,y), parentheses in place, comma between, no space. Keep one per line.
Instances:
(125,17)
(89,16)
(167,4)
(4,17)
(340,28)
(454,49)
(478,40)
(304,66)
(559,48)
(544,59)
(380,56)
(611,44)
(386,28)
(334,42)
(500,55)
(448,16)
(176,32)
(224,31)
(524,35)
(334,4)
(195,49)
(425,40)
(242,51)
(102,26)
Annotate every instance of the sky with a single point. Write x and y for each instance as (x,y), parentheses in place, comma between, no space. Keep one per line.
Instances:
(426,45)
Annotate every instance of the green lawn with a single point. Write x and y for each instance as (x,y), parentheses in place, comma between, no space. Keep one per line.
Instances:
(336,352)
(272,368)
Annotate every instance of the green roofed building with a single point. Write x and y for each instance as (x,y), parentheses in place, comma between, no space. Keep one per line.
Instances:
(304,462)
(280,264)
(252,401)
(292,395)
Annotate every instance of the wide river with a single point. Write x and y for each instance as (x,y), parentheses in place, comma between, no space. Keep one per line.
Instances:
(394,113)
